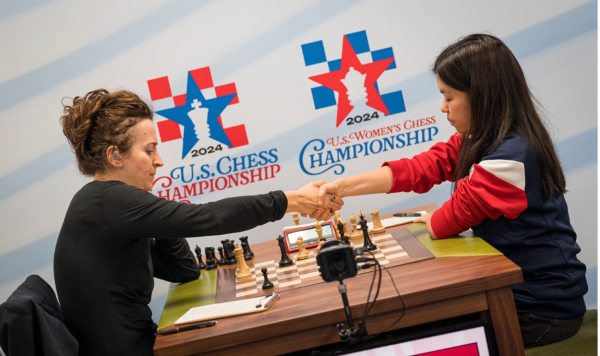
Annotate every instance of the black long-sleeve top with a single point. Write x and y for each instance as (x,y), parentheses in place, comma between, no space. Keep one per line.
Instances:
(115,238)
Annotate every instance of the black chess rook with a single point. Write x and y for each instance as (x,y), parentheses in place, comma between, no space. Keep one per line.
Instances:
(245,239)
(246,249)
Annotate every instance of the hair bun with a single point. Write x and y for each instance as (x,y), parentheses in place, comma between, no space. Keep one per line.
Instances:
(98,120)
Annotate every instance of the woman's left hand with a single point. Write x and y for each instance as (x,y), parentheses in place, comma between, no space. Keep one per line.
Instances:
(427,220)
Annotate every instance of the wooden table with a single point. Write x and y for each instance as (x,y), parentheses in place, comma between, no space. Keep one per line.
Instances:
(305,318)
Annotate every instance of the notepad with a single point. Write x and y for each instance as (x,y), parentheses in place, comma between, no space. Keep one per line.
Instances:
(224,310)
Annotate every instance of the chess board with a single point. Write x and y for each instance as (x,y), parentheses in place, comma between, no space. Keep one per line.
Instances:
(306,272)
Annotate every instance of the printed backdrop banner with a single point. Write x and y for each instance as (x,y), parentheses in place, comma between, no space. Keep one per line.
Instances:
(255,96)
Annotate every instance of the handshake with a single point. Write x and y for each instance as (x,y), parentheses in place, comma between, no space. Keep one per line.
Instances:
(317,200)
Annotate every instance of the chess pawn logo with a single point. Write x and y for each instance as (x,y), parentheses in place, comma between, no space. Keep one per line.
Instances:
(199,117)
(355,85)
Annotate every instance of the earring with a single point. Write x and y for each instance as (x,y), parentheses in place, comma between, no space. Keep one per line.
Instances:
(121,167)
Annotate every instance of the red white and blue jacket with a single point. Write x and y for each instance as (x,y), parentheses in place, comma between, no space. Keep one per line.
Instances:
(501,200)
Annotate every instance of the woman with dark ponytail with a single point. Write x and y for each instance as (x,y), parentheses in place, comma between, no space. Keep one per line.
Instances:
(117,236)
(508,183)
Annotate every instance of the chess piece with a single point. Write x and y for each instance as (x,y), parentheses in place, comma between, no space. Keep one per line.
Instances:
(201,264)
(285,260)
(296,218)
(211,260)
(245,239)
(355,233)
(377,225)
(266,283)
(221,260)
(302,252)
(361,215)
(343,236)
(345,227)
(354,81)
(368,245)
(243,270)
(199,117)
(230,255)
(320,238)
(335,218)
(247,255)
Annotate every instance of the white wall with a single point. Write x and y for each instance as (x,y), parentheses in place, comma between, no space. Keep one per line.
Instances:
(56,49)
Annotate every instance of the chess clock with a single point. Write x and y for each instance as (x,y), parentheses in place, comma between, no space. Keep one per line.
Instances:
(309,235)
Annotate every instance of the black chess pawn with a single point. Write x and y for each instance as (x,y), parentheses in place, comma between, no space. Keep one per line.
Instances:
(245,239)
(201,264)
(368,245)
(247,255)
(221,260)
(211,260)
(343,236)
(267,283)
(285,260)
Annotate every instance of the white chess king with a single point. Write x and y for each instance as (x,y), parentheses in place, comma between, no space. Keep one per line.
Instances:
(355,84)
(199,117)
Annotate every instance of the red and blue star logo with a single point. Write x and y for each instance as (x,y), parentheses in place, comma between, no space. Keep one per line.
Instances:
(200,93)
(354,44)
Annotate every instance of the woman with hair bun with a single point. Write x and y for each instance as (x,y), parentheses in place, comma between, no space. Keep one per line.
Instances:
(117,236)
(508,183)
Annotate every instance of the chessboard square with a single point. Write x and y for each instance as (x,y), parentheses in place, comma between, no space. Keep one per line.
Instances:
(386,244)
(245,293)
(384,54)
(391,249)
(311,275)
(168,130)
(209,93)
(394,102)
(397,255)
(335,65)
(260,265)
(288,274)
(202,77)
(179,100)
(384,262)
(162,104)
(365,58)
(317,69)
(359,42)
(290,283)
(237,135)
(323,97)
(227,89)
(245,284)
(307,261)
(308,268)
(159,88)
(313,53)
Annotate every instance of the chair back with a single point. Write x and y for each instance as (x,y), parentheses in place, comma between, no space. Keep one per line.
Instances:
(31,322)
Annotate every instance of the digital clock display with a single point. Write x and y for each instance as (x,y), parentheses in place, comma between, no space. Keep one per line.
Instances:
(309,235)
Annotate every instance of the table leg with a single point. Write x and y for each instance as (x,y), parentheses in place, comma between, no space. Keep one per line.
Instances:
(504,322)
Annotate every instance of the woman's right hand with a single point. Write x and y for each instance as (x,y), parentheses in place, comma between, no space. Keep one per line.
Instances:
(304,201)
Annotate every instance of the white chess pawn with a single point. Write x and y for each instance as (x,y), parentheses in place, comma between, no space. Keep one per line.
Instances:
(355,85)
(199,117)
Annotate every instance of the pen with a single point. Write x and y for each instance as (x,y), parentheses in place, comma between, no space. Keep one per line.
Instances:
(186,328)
(407,215)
